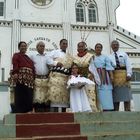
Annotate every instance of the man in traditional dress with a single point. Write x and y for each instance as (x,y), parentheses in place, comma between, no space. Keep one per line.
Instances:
(58,77)
(41,63)
(122,77)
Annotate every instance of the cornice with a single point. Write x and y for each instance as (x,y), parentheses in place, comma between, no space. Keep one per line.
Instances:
(41,25)
(88,28)
(134,54)
(4,23)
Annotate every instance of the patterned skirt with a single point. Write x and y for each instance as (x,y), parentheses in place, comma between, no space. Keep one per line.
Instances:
(120,78)
(40,91)
(57,90)
(91,93)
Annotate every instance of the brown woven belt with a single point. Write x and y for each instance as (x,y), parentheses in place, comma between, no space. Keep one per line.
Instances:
(41,76)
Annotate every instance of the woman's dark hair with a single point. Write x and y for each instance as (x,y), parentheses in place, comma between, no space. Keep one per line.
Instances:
(63,40)
(74,64)
(19,44)
(98,44)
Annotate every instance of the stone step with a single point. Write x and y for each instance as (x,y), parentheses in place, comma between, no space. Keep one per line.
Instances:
(30,130)
(1,122)
(115,137)
(36,118)
(98,136)
(93,127)
(70,137)
(107,116)
(69,117)
(7,131)
(97,126)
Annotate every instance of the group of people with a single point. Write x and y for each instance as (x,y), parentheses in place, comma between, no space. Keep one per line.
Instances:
(57,80)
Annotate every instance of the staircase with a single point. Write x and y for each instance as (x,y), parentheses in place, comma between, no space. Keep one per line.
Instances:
(110,125)
(69,126)
(45,126)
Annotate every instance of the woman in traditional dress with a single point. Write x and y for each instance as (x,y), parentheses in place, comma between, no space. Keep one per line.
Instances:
(104,68)
(83,59)
(78,97)
(23,76)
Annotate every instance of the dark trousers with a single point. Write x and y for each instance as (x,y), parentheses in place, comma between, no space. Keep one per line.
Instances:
(126,106)
(56,109)
(13,108)
(42,107)
(23,98)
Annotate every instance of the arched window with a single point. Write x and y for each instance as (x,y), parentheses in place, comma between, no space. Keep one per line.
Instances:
(92,13)
(1,8)
(80,13)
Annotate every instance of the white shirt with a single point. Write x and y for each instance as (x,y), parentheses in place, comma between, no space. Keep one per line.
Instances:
(57,54)
(124,61)
(41,62)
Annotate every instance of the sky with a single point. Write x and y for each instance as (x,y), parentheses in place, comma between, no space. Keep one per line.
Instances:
(128,15)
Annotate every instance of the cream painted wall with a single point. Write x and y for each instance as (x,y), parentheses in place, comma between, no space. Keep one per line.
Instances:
(62,13)
(50,37)
(5,47)
(93,38)
(51,14)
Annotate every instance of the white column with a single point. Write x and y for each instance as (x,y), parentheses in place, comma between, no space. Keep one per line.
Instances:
(16,34)
(110,23)
(16,28)
(67,26)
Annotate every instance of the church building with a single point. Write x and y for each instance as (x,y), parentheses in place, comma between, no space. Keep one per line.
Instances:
(92,21)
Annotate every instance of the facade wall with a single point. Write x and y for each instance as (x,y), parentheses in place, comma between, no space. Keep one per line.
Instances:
(5,48)
(50,37)
(9,10)
(25,21)
(129,43)
(102,13)
(93,38)
(26,11)
(51,14)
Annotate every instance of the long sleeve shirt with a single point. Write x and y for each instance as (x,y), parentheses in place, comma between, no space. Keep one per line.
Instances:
(20,60)
(24,67)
